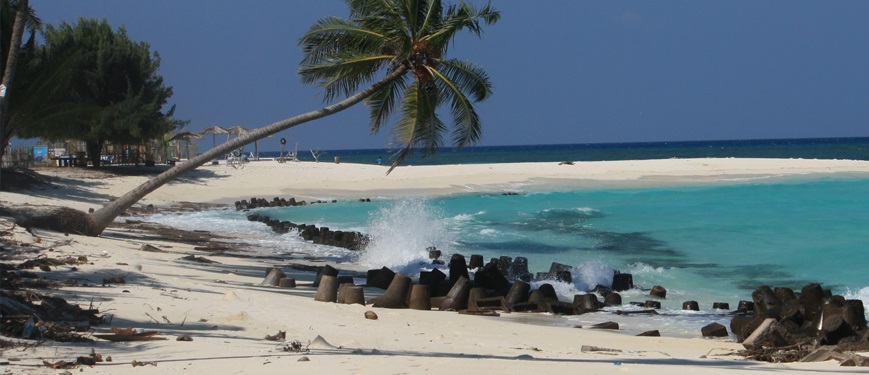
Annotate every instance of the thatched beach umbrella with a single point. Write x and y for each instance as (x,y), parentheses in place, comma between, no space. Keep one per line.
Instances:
(214,130)
(186,135)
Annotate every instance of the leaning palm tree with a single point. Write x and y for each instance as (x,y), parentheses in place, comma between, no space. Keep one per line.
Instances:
(407,41)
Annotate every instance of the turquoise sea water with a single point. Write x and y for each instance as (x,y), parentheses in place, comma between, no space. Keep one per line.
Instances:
(709,243)
(705,243)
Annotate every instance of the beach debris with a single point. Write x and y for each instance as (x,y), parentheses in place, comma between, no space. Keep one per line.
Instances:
(303,359)
(151,249)
(280,336)
(126,334)
(635,312)
(62,364)
(295,347)
(143,363)
(565,163)
(370,315)
(44,263)
(114,280)
(320,343)
(184,338)
(597,349)
(194,258)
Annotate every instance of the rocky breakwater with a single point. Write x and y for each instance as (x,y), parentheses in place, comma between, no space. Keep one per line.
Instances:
(317,235)
(810,325)
(309,232)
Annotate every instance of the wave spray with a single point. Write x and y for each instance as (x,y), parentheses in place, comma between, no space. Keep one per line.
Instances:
(401,233)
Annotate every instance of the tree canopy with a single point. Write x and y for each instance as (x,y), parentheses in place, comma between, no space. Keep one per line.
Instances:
(341,54)
(104,87)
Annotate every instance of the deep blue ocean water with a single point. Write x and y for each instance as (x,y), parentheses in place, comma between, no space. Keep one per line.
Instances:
(809,148)
(709,243)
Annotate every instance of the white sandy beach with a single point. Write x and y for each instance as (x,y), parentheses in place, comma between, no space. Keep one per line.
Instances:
(228,313)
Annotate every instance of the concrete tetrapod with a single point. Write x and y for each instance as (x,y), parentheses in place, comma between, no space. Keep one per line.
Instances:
(328,289)
(420,297)
(395,296)
(457,298)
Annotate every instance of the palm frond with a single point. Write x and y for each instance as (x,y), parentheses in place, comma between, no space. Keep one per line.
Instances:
(333,35)
(468,128)
(381,104)
(345,74)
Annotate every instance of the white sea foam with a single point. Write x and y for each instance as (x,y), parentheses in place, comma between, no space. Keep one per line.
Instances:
(401,233)
(588,275)
(488,232)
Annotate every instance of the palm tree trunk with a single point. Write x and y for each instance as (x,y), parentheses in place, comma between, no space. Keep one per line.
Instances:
(101,218)
(9,74)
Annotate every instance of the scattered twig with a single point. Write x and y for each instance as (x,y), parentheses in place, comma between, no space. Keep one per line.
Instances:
(152,318)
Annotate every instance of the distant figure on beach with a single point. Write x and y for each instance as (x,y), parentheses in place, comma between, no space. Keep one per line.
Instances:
(379,160)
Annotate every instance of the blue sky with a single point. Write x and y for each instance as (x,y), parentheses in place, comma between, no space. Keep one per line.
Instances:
(563,71)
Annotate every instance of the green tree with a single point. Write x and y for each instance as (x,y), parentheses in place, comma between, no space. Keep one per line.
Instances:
(15,18)
(113,83)
(404,39)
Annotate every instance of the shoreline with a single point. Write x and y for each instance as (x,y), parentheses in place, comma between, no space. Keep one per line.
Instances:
(238,312)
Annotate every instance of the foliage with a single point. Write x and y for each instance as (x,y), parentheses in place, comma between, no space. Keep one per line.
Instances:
(104,87)
(341,55)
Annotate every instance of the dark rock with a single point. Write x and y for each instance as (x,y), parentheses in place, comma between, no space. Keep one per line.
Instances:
(622,282)
(380,278)
(458,267)
(766,303)
(721,305)
(396,294)
(518,293)
(492,303)
(835,328)
(854,314)
(586,302)
(563,276)
(691,305)
(612,299)
(490,277)
(547,292)
(561,308)
(658,291)
(434,253)
(457,298)
(785,294)
(519,268)
(812,299)
(652,304)
(714,330)
(652,333)
(476,261)
(745,306)
(606,325)
(433,279)
(327,270)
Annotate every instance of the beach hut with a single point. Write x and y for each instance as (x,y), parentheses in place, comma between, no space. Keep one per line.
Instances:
(186,136)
